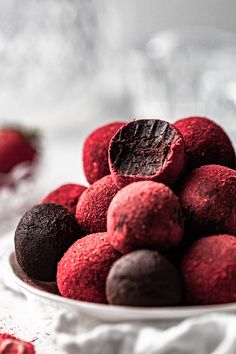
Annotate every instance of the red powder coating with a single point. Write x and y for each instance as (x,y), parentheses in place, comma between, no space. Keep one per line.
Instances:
(208,198)
(82,271)
(206,143)
(95,151)
(14,149)
(144,215)
(66,195)
(91,210)
(209,270)
(147,150)
(12,345)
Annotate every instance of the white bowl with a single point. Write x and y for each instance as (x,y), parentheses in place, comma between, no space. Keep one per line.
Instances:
(46,294)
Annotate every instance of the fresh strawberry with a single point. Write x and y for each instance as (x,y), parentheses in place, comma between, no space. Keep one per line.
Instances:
(15,148)
(11,345)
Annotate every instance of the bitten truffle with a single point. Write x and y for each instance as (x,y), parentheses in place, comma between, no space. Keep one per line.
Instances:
(144,215)
(147,149)
(209,270)
(42,236)
(206,143)
(143,278)
(95,151)
(91,210)
(83,269)
(12,345)
(208,199)
(66,195)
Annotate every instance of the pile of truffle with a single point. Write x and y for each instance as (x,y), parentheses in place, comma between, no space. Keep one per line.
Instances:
(156,227)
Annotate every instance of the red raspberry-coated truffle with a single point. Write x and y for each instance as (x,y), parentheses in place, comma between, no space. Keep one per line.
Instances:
(91,210)
(95,151)
(208,198)
(147,149)
(209,270)
(11,345)
(206,142)
(82,271)
(15,149)
(66,195)
(144,215)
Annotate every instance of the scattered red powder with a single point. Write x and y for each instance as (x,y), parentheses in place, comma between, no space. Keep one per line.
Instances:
(66,195)
(12,345)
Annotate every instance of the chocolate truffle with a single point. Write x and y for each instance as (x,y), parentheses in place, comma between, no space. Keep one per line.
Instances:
(95,151)
(147,149)
(208,199)
(144,215)
(91,210)
(206,143)
(209,270)
(143,278)
(66,195)
(42,236)
(82,271)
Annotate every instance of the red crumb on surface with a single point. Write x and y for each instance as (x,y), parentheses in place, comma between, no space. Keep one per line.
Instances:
(209,270)
(144,215)
(82,271)
(205,142)
(12,345)
(14,149)
(91,210)
(208,198)
(66,195)
(95,151)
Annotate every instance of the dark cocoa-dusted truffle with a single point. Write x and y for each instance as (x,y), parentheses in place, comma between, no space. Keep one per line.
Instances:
(145,215)
(91,210)
(83,269)
(208,198)
(143,278)
(147,149)
(95,151)
(205,142)
(66,195)
(42,236)
(209,270)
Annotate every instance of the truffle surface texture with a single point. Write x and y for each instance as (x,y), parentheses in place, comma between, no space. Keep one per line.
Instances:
(208,199)
(206,143)
(209,270)
(147,149)
(143,278)
(95,151)
(91,210)
(42,236)
(66,195)
(83,269)
(145,215)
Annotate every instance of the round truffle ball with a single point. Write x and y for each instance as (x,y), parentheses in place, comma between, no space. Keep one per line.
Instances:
(42,236)
(66,195)
(209,270)
(143,278)
(147,149)
(91,210)
(82,271)
(95,151)
(145,215)
(208,198)
(206,143)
